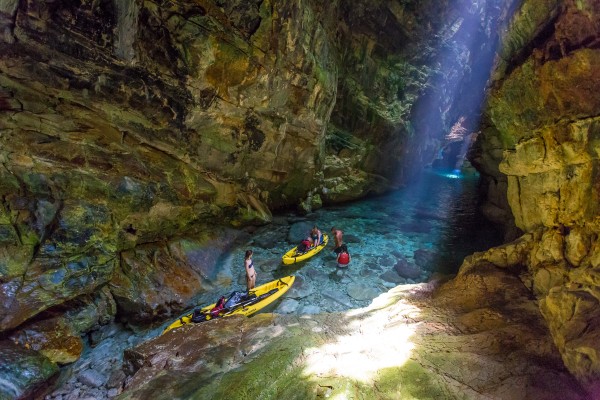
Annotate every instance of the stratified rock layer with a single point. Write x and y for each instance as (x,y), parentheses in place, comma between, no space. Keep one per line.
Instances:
(541,147)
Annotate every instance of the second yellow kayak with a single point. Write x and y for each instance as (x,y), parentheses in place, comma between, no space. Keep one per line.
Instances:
(293,256)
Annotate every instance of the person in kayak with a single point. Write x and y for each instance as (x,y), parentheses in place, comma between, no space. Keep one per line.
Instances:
(343,259)
(250,270)
(337,236)
(316,235)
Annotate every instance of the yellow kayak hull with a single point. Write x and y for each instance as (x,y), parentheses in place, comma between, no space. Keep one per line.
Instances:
(290,257)
(282,285)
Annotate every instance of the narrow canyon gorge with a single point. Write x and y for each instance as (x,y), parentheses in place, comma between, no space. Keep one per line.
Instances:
(145,143)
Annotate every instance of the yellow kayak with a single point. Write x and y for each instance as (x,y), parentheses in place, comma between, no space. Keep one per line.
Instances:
(293,256)
(239,303)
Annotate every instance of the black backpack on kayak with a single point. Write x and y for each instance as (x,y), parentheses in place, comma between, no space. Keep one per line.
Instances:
(236,298)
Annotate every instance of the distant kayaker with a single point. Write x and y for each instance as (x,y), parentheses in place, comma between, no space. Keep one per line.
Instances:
(337,236)
(250,270)
(316,235)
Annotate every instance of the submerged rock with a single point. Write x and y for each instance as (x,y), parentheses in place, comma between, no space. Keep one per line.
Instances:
(362,291)
(392,276)
(407,270)
(300,289)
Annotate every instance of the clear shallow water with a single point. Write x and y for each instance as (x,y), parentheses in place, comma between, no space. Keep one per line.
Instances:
(403,237)
(430,227)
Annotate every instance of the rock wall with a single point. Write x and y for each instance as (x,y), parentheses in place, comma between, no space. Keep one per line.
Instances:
(131,135)
(539,148)
(134,134)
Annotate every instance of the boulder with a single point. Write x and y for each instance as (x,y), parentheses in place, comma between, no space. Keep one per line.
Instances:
(392,276)
(24,373)
(153,282)
(299,231)
(362,291)
(54,338)
(407,270)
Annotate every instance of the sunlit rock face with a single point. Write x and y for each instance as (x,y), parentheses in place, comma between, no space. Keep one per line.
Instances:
(541,147)
(480,336)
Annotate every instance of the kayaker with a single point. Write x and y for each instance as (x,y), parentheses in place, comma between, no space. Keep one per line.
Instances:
(316,235)
(343,259)
(337,236)
(250,270)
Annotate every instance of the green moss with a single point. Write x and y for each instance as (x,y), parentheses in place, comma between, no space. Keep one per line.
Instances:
(251,381)
(411,381)
(295,187)
(230,67)
(8,183)
(337,139)
(219,139)
(15,260)
(515,107)
(526,24)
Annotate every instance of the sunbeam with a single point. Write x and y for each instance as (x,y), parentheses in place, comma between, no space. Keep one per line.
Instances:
(376,341)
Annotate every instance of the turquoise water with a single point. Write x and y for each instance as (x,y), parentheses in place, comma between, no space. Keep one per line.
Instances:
(425,228)
(401,238)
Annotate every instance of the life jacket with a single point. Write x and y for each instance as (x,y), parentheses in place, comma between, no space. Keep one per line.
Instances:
(218,307)
(303,246)
(343,258)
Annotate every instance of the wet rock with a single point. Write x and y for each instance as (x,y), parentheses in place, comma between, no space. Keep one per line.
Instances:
(373,265)
(299,231)
(53,337)
(288,306)
(424,258)
(269,265)
(392,276)
(24,372)
(315,274)
(350,238)
(92,311)
(367,273)
(50,284)
(74,395)
(266,237)
(116,379)
(300,289)
(456,334)
(338,297)
(103,333)
(386,261)
(92,378)
(362,291)
(407,270)
(310,309)
(153,281)
(203,256)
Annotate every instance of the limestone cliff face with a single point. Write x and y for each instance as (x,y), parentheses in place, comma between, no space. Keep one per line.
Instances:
(540,151)
(134,133)
(125,124)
